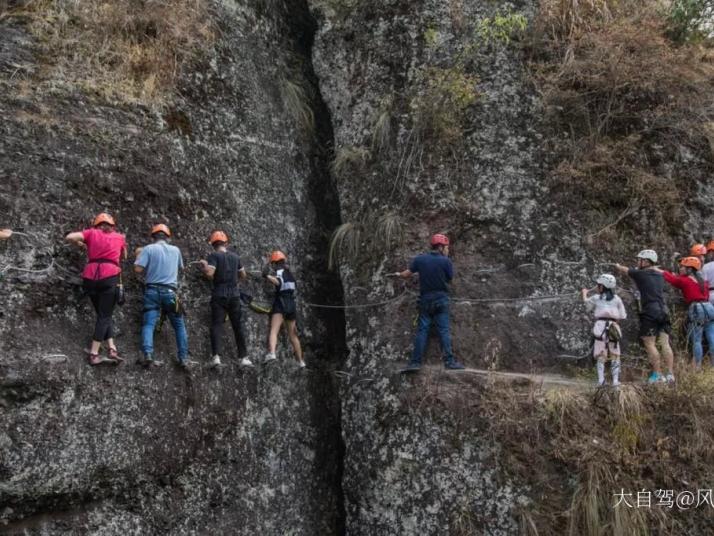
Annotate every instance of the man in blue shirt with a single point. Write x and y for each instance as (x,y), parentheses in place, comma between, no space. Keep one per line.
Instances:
(160,263)
(435,273)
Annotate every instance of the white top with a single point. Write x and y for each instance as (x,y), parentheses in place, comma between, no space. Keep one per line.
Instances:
(603,308)
(708,275)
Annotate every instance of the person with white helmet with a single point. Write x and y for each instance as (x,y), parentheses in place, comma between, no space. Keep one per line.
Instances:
(608,309)
(654,316)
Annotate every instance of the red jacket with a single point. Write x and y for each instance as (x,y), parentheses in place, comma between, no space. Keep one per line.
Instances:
(690,288)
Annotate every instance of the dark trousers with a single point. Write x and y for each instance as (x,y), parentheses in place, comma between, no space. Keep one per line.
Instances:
(102,292)
(221,306)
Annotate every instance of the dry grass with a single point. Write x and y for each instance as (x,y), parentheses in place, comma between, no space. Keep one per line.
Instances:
(132,51)
(589,446)
(346,242)
(350,161)
(374,234)
(297,102)
(382,130)
(628,100)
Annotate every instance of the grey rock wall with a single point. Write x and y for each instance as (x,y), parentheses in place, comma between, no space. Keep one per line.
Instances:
(123,450)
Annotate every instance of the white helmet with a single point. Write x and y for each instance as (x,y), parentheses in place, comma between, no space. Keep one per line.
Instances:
(649,255)
(607,281)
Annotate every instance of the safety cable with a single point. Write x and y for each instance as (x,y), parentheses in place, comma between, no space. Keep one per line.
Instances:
(358,305)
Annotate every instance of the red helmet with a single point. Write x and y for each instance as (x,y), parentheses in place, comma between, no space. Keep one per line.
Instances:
(439,240)
(103,218)
(160,228)
(277,256)
(691,262)
(698,249)
(218,236)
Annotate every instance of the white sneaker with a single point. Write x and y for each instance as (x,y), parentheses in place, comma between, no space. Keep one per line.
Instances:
(270,357)
(216,360)
(301,364)
(615,383)
(245,362)
(669,378)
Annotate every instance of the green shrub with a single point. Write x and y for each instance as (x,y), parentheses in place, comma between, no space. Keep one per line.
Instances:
(440,107)
(502,28)
(690,20)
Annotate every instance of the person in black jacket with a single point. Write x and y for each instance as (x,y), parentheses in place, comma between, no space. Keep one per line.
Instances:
(284,307)
(224,268)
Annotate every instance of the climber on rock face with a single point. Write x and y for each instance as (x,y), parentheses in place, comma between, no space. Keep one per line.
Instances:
(654,316)
(160,263)
(708,270)
(435,273)
(284,308)
(608,309)
(5,234)
(700,313)
(699,251)
(101,277)
(224,268)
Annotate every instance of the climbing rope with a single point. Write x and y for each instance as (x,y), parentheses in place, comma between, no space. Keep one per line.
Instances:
(11,268)
(358,305)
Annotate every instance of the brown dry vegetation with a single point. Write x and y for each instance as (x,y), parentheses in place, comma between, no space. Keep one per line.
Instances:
(132,51)
(623,101)
(573,450)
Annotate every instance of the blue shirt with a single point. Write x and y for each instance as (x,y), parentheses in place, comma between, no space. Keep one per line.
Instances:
(435,272)
(161,262)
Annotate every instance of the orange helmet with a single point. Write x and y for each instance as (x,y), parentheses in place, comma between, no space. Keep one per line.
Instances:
(277,256)
(710,245)
(218,236)
(698,249)
(439,240)
(691,262)
(103,218)
(160,228)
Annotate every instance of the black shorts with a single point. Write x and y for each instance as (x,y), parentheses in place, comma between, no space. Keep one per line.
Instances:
(284,305)
(652,327)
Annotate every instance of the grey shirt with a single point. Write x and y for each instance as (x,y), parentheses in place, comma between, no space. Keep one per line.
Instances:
(161,262)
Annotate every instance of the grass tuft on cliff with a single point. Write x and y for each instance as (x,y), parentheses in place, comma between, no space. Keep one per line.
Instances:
(573,450)
(132,51)
(624,101)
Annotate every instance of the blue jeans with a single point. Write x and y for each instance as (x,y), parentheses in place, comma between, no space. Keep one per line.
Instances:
(701,322)
(432,309)
(157,300)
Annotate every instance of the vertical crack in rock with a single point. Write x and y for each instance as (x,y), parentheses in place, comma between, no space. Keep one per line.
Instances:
(326,286)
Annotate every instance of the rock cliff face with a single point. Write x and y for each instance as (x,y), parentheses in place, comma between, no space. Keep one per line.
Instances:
(131,451)
(397,77)
(388,120)
(486,191)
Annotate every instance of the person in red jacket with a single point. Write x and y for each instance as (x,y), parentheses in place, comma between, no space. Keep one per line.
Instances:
(101,276)
(700,313)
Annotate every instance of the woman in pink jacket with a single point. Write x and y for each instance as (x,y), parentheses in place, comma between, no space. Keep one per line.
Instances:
(101,277)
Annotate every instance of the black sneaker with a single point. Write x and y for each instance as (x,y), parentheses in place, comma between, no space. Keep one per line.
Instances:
(147,361)
(454,365)
(412,367)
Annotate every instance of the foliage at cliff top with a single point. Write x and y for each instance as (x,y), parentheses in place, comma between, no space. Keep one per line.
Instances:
(131,51)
